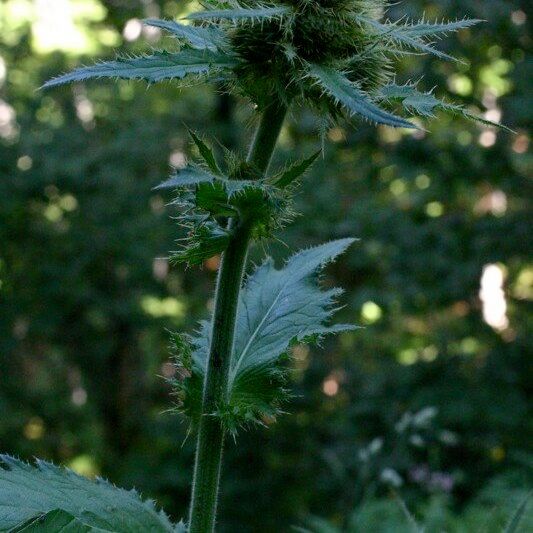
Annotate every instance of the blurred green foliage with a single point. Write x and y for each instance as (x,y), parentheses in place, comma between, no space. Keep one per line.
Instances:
(87,293)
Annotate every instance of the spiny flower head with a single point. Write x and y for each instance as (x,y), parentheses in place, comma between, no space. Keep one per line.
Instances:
(332,54)
(275,54)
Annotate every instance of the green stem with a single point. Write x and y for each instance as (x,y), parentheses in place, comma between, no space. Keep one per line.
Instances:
(210,443)
(266,136)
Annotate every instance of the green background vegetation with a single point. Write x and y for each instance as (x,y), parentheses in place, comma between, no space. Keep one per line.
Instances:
(86,293)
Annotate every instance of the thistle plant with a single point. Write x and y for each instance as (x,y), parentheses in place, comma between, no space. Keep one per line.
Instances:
(335,56)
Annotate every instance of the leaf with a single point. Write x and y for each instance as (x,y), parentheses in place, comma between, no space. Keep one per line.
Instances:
(210,38)
(259,13)
(153,68)
(207,154)
(28,491)
(276,308)
(406,35)
(518,514)
(209,201)
(205,240)
(352,98)
(434,29)
(190,175)
(412,100)
(426,104)
(222,188)
(56,521)
(206,199)
(296,170)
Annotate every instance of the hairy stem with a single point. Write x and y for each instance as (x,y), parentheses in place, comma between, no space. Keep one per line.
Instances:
(210,443)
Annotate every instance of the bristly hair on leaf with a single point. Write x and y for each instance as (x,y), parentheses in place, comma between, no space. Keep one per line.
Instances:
(277,308)
(426,29)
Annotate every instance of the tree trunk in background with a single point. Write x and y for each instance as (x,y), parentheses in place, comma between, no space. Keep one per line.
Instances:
(124,400)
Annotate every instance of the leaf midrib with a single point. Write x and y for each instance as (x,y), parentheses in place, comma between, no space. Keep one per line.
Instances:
(255,334)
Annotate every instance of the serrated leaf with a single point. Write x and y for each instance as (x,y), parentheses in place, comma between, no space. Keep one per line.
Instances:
(426,104)
(206,240)
(152,68)
(404,34)
(412,100)
(434,29)
(355,101)
(222,187)
(200,37)
(258,13)
(285,178)
(190,175)
(28,491)
(276,308)
(205,198)
(56,521)
(207,154)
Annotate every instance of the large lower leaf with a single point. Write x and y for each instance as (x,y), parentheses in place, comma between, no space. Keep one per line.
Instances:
(48,494)
(152,68)
(276,308)
(355,101)
(279,306)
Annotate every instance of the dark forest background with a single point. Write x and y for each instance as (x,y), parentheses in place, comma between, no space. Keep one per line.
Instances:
(430,402)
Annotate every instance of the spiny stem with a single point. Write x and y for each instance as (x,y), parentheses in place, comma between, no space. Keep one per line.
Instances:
(210,443)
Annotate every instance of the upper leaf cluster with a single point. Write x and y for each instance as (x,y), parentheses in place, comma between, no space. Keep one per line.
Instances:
(337,55)
(209,196)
